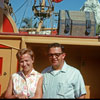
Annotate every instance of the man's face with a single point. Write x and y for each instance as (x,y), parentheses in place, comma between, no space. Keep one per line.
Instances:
(56,57)
(26,63)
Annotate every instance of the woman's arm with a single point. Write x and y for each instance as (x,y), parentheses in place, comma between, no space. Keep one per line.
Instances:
(39,90)
(9,92)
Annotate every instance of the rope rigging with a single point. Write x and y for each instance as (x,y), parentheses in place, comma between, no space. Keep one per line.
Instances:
(20,7)
(42,11)
(24,13)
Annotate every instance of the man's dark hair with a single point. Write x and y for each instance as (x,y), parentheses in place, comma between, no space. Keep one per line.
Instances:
(56,45)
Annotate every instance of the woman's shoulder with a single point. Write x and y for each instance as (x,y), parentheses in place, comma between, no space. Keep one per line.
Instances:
(16,74)
(37,73)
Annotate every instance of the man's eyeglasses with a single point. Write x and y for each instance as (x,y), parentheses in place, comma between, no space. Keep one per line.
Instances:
(54,54)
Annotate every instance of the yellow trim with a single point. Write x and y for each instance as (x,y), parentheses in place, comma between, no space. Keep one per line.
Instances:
(69,41)
(47,40)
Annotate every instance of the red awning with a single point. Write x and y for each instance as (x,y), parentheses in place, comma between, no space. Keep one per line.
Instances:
(57,1)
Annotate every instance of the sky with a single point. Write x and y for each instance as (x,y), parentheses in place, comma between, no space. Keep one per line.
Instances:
(26,10)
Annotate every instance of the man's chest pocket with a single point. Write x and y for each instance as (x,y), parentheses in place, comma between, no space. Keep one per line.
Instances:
(64,89)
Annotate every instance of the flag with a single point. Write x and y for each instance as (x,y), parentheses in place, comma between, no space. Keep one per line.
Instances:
(57,1)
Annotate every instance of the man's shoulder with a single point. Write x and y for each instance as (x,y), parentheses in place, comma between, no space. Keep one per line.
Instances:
(46,70)
(72,68)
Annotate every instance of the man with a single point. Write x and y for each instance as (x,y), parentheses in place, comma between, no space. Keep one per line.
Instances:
(60,80)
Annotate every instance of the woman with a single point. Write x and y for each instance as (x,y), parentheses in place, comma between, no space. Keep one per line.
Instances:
(23,84)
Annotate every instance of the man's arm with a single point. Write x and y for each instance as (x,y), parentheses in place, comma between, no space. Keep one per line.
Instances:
(80,86)
(82,96)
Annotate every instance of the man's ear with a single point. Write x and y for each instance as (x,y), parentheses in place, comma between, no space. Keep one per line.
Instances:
(64,55)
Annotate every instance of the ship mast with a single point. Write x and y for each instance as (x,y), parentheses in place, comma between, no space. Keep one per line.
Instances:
(42,11)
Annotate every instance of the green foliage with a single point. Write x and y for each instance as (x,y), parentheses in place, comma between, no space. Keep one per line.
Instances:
(98,29)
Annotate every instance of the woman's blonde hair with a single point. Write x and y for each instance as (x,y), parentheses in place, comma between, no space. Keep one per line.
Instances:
(24,51)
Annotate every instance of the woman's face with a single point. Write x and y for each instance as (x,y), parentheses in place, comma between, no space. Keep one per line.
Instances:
(26,62)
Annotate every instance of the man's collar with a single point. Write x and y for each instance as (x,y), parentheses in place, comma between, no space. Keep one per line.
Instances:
(64,68)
